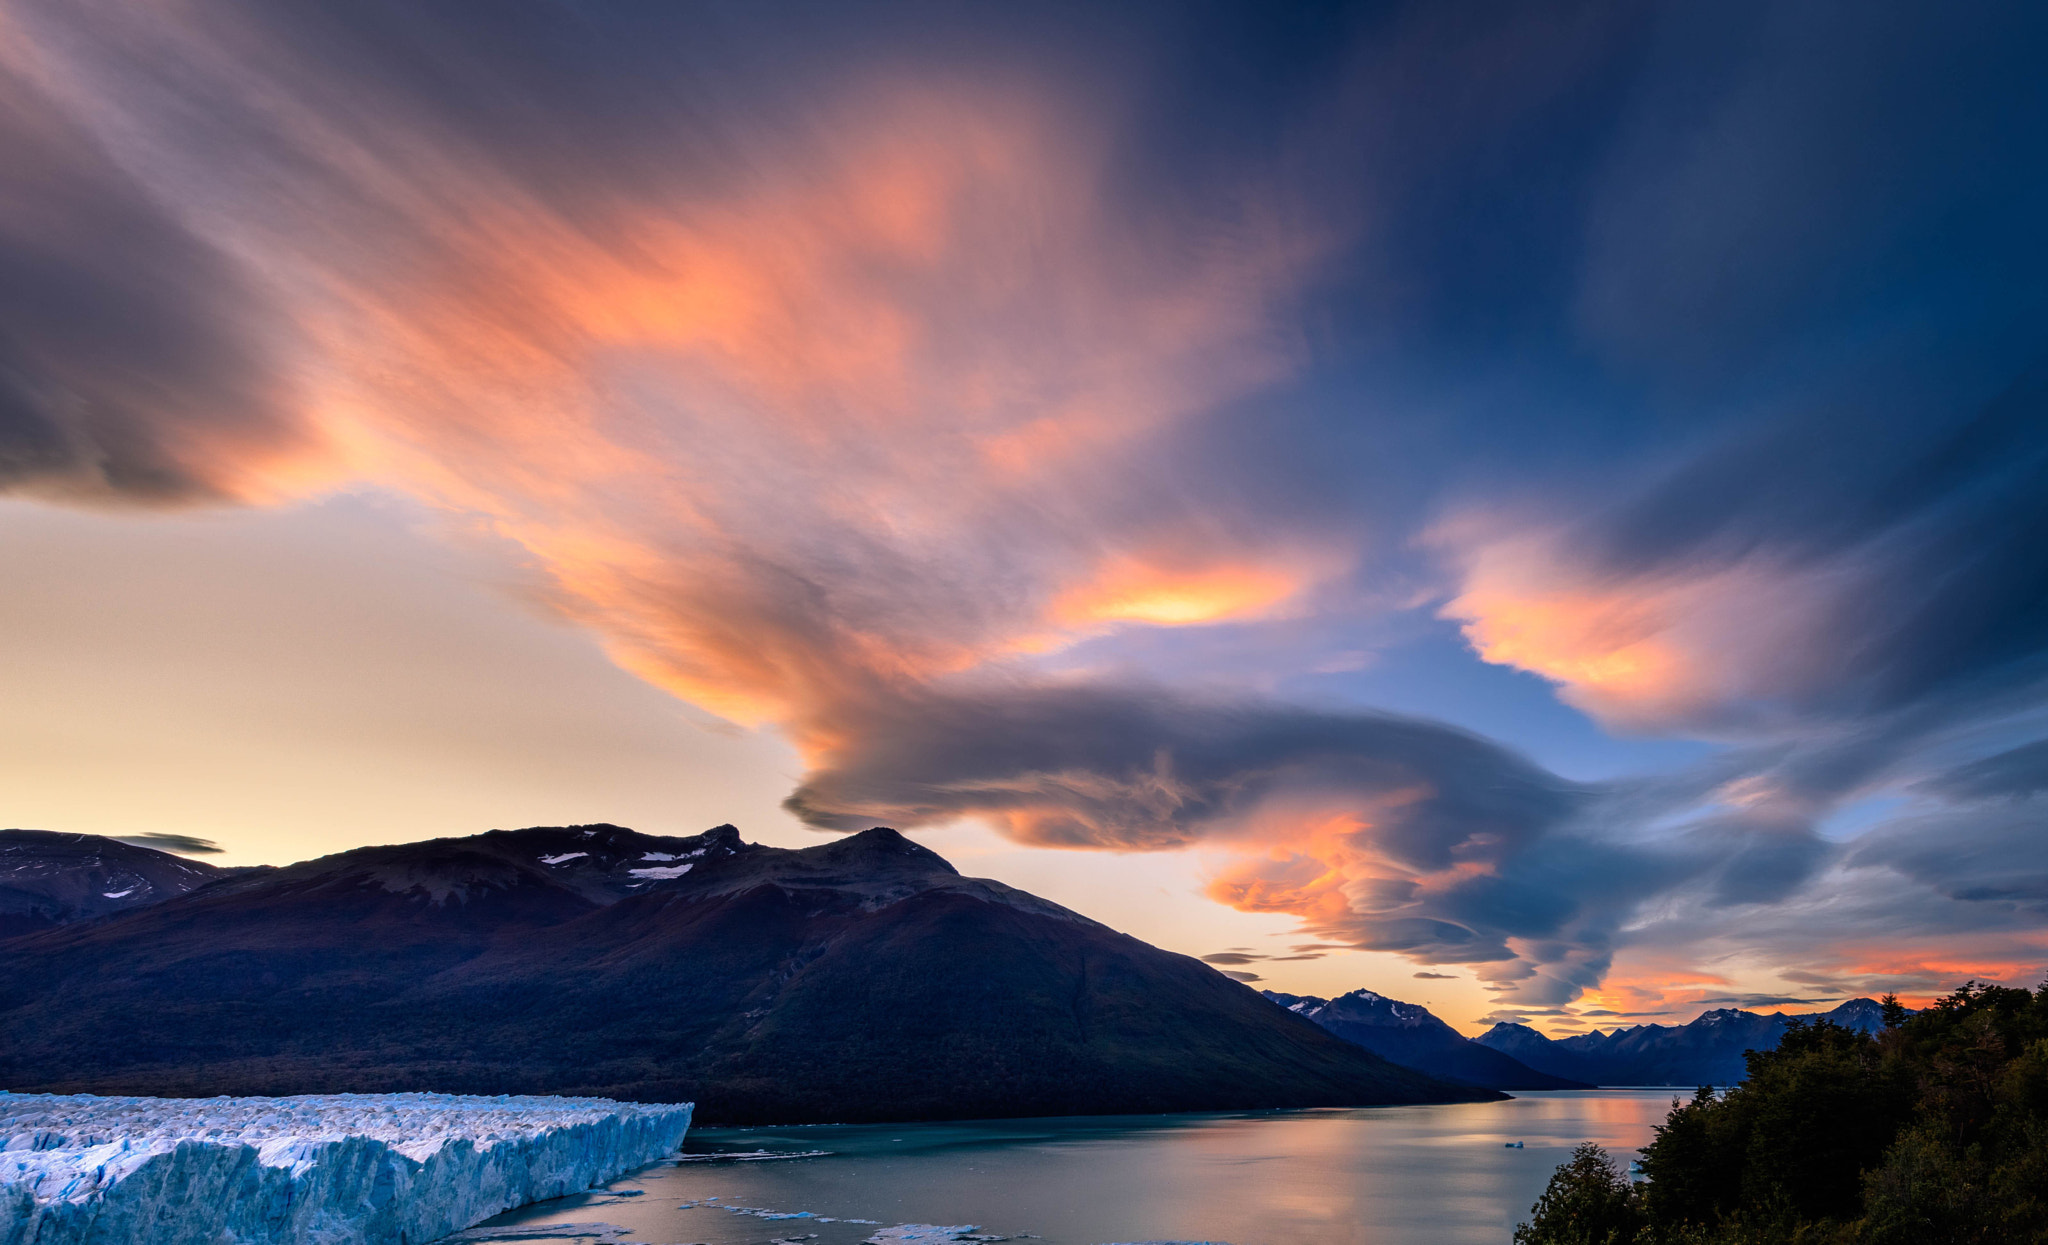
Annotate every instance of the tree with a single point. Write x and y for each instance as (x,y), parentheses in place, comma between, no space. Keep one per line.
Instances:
(1933,1133)
(1923,1194)
(1894,1011)
(1589,1201)
(1812,1116)
(1694,1173)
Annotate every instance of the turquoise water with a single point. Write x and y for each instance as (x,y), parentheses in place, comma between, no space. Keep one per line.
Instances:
(1440,1175)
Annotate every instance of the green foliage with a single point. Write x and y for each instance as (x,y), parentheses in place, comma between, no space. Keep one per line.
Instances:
(1932,1132)
(1923,1192)
(1589,1201)
(1693,1168)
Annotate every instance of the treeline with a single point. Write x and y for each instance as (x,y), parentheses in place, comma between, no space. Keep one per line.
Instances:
(1933,1131)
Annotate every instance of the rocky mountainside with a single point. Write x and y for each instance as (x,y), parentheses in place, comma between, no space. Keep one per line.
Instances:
(1706,1051)
(861,979)
(1410,1035)
(51,879)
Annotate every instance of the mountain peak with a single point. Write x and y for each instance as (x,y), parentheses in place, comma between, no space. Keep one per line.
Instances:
(883,843)
(48,878)
(875,867)
(1411,1035)
(1721,1015)
(1707,1050)
(1372,1007)
(1301,1004)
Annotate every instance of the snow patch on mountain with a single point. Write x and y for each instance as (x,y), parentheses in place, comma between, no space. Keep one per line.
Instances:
(660,871)
(321,1169)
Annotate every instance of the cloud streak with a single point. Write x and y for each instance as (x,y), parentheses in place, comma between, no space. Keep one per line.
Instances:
(134,363)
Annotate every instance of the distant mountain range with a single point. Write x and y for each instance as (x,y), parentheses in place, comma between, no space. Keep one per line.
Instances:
(1409,1035)
(860,979)
(1706,1051)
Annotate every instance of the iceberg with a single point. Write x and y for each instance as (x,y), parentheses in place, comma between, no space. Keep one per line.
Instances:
(319,1169)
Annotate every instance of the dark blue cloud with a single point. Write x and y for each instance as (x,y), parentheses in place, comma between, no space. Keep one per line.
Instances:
(2012,774)
(134,357)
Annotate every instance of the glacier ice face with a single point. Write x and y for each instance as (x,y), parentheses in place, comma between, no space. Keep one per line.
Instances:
(320,1169)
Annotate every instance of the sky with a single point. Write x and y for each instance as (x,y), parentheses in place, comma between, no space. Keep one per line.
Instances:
(1538,510)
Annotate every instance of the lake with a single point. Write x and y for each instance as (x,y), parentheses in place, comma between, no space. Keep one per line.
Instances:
(1435,1175)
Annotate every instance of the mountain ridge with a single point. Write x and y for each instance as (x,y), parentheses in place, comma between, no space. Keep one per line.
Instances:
(1706,1050)
(1411,1035)
(48,879)
(862,978)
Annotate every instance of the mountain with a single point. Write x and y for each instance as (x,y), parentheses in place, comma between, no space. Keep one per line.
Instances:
(1705,1051)
(1541,1053)
(1409,1035)
(861,979)
(51,879)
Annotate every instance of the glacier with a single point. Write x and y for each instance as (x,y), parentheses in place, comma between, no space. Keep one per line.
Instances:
(317,1169)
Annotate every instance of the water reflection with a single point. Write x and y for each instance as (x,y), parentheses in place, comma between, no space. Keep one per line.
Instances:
(1441,1175)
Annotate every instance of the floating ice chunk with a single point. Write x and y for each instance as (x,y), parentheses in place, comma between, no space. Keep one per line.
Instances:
(597,1233)
(555,860)
(926,1234)
(658,856)
(120,894)
(337,1169)
(661,871)
(751,1156)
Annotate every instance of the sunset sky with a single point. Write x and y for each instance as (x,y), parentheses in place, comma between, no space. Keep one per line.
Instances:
(1539,509)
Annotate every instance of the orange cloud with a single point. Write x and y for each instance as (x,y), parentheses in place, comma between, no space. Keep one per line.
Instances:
(1701,646)
(1129,589)
(774,441)
(1337,868)
(841,410)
